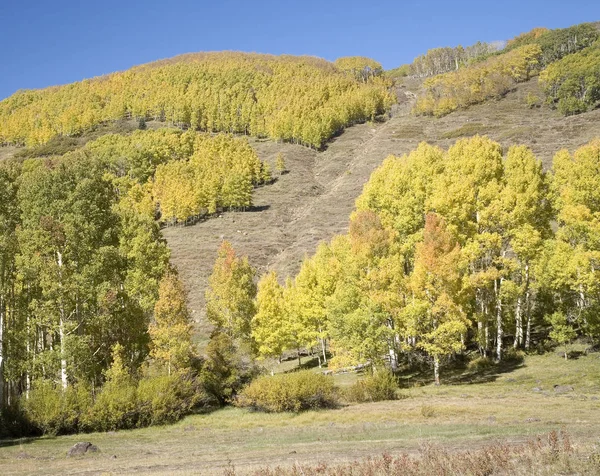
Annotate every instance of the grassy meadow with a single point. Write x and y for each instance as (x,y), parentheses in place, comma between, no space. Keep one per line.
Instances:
(477,407)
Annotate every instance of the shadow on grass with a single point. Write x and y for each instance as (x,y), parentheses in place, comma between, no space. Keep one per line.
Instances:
(458,373)
(7,442)
(308,362)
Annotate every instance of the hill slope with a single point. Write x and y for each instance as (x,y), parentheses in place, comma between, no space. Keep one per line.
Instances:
(313,201)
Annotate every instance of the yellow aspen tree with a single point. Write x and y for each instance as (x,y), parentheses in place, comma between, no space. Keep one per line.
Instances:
(171,331)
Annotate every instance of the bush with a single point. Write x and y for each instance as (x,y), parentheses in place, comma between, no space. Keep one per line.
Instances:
(44,407)
(115,408)
(481,363)
(571,106)
(13,423)
(292,392)
(121,404)
(514,355)
(227,369)
(58,145)
(165,399)
(50,410)
(532,101)
(376,388)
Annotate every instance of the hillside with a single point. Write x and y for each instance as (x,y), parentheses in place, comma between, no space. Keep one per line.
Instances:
(312,202)
(301,99)
(443,221)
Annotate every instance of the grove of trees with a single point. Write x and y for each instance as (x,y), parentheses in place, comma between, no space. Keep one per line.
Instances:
(566,59)
(84,269)
(491,78)
(301,99)
(449,251)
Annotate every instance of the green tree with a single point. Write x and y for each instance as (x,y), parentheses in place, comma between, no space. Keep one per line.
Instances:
(270,329)
(439,319)
(280,163)
(562,331)
(231,292)
(171,331)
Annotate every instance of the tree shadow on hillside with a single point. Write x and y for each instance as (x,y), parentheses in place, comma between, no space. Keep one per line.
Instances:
(459,372)
(257,208)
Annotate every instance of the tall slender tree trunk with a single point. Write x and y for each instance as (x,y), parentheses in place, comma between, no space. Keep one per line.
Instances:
(500,330)
(518,325)
(28,354)
(436,370)
(483,328)
(323,347)
(61,329)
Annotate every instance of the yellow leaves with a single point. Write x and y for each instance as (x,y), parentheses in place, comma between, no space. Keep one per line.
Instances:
(575,185)
(214,92)
(270,327)
(474,84)
(231,292)
(221,172)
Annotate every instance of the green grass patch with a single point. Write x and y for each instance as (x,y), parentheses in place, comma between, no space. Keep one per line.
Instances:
(466,130)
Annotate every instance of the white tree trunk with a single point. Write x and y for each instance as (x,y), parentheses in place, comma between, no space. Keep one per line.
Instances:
(61,330)
(500,331)
(519,325)
(436,370)
(323,348)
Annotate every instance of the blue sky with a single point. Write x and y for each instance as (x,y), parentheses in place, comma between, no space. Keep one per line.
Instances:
(43,43)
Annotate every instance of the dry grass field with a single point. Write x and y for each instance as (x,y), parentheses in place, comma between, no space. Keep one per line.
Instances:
(510,405)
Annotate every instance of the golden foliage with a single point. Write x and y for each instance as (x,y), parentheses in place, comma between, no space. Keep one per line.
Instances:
(301,99)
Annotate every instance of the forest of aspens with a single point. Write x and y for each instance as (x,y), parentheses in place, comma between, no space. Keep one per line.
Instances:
(469,252)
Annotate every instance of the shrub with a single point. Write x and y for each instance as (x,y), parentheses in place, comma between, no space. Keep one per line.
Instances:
(480,363)
(571,106)
(378,387)
(44,407)
(50,410)
(292,392)
(514,355)
(227,369)
(78,399)
(115,408)
(165,399)
(532,101)
(13,422)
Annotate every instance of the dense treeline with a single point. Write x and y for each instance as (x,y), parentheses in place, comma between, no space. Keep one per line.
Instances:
(573,83)
(80,272)
(446,59)
(301,99)
(362,68)
(569,80)
(491,78)
(84,273)
(449,251)
(556,44)
(191,174)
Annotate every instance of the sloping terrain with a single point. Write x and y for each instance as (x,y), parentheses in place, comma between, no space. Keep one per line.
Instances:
(313,201)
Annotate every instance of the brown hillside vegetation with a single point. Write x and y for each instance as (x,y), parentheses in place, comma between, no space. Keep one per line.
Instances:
(312,202)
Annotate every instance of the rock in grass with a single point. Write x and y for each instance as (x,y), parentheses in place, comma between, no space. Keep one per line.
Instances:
(563,388)
(82,448)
